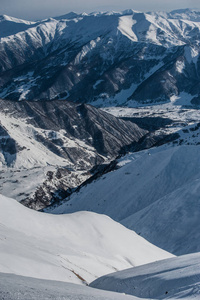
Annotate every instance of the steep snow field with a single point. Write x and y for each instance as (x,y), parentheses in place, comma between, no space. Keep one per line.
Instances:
(75,248)
(176,278)
(14,287)
(154,192)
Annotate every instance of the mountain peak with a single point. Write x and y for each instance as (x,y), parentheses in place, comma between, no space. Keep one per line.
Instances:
(129,11)
(70,15)
(15,20)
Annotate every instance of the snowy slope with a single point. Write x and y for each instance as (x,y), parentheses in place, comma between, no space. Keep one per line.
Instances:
(176,278)
(14,287)
(155,193)
(75,248)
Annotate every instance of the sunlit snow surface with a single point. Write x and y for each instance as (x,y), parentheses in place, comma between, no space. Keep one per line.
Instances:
(74,248)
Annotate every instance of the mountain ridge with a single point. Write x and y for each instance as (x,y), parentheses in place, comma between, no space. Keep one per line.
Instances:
(114,55)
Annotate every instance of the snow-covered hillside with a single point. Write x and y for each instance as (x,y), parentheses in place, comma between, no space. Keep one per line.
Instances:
(176,278)
(127,57)
(14,287)
(154,192)
(74,248)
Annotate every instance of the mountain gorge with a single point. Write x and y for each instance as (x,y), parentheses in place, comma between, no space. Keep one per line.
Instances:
(124,58)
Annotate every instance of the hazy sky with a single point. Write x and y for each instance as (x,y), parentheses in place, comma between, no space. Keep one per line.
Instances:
(38,9)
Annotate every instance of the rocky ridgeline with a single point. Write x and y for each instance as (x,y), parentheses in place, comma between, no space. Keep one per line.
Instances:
(102,58)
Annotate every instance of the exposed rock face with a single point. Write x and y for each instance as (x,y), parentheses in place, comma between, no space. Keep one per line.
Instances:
(63,140)
(100,130)
(102,58)
(7,146)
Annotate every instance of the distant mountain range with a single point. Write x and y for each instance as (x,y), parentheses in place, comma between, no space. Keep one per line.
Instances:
(128,58)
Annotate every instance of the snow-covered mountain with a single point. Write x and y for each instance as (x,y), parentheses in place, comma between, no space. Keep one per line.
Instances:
(67,158)
(75,248)
(129,57)
(11,26)
(49,148)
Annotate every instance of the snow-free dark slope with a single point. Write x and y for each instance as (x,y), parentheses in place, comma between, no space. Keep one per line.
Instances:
(174,278)
(102,57)
(56,143)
